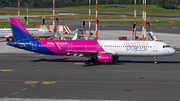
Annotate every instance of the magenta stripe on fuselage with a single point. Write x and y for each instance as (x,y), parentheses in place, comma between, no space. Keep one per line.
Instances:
(18,24)
(74,45)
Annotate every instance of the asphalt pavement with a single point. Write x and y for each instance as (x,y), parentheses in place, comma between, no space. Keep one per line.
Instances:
(27,76)
(33,77)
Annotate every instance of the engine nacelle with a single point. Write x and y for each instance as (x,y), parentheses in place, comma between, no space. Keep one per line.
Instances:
(105,58)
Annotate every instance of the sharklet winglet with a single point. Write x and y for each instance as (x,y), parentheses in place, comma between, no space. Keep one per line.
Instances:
(84,37)
(58,46)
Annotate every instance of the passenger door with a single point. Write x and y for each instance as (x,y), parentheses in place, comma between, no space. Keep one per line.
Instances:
(155,47)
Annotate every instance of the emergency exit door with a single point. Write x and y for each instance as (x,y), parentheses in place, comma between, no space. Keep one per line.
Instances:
(34,45)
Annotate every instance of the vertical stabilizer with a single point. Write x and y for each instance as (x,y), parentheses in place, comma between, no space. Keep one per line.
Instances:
(18,30)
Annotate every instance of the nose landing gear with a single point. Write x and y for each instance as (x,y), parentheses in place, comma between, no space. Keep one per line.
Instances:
(155,58)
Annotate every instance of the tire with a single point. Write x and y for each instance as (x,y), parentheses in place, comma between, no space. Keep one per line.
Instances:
(93,60)
(7,39)
(87,62)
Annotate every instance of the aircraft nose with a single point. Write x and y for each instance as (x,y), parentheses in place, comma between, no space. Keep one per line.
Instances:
(173,51)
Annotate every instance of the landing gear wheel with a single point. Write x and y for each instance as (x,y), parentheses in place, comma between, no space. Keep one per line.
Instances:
(87,62)
(155,62)
(7,39)
(93,60)
(155,58)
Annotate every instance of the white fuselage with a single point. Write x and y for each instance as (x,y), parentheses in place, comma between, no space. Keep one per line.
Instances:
(136,48)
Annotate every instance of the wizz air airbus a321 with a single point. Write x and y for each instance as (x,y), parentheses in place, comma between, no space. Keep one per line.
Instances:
(102,51)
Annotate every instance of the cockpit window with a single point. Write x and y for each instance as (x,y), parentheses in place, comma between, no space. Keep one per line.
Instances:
(166,46)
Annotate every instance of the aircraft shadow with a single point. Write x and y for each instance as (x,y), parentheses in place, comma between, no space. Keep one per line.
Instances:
(56,60)
(123,62)
(116,62)
(158,62)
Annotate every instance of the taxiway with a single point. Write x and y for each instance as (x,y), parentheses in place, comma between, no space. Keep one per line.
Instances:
(30,76)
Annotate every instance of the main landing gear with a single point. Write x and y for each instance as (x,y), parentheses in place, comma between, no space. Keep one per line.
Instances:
(91,59)
(155,58)
(7,39)
(87,62)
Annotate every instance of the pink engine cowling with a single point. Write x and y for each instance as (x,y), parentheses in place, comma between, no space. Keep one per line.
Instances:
(105,58)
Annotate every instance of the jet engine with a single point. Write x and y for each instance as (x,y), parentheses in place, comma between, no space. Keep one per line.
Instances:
(105,58)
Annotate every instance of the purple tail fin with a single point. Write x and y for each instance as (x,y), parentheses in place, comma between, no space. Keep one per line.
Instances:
(18,30)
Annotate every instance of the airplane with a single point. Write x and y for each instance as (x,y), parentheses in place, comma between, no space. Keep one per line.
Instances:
(35,32)
(102,51)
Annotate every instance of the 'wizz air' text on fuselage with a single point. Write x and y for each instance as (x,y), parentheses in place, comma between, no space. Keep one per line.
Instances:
(137,46)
